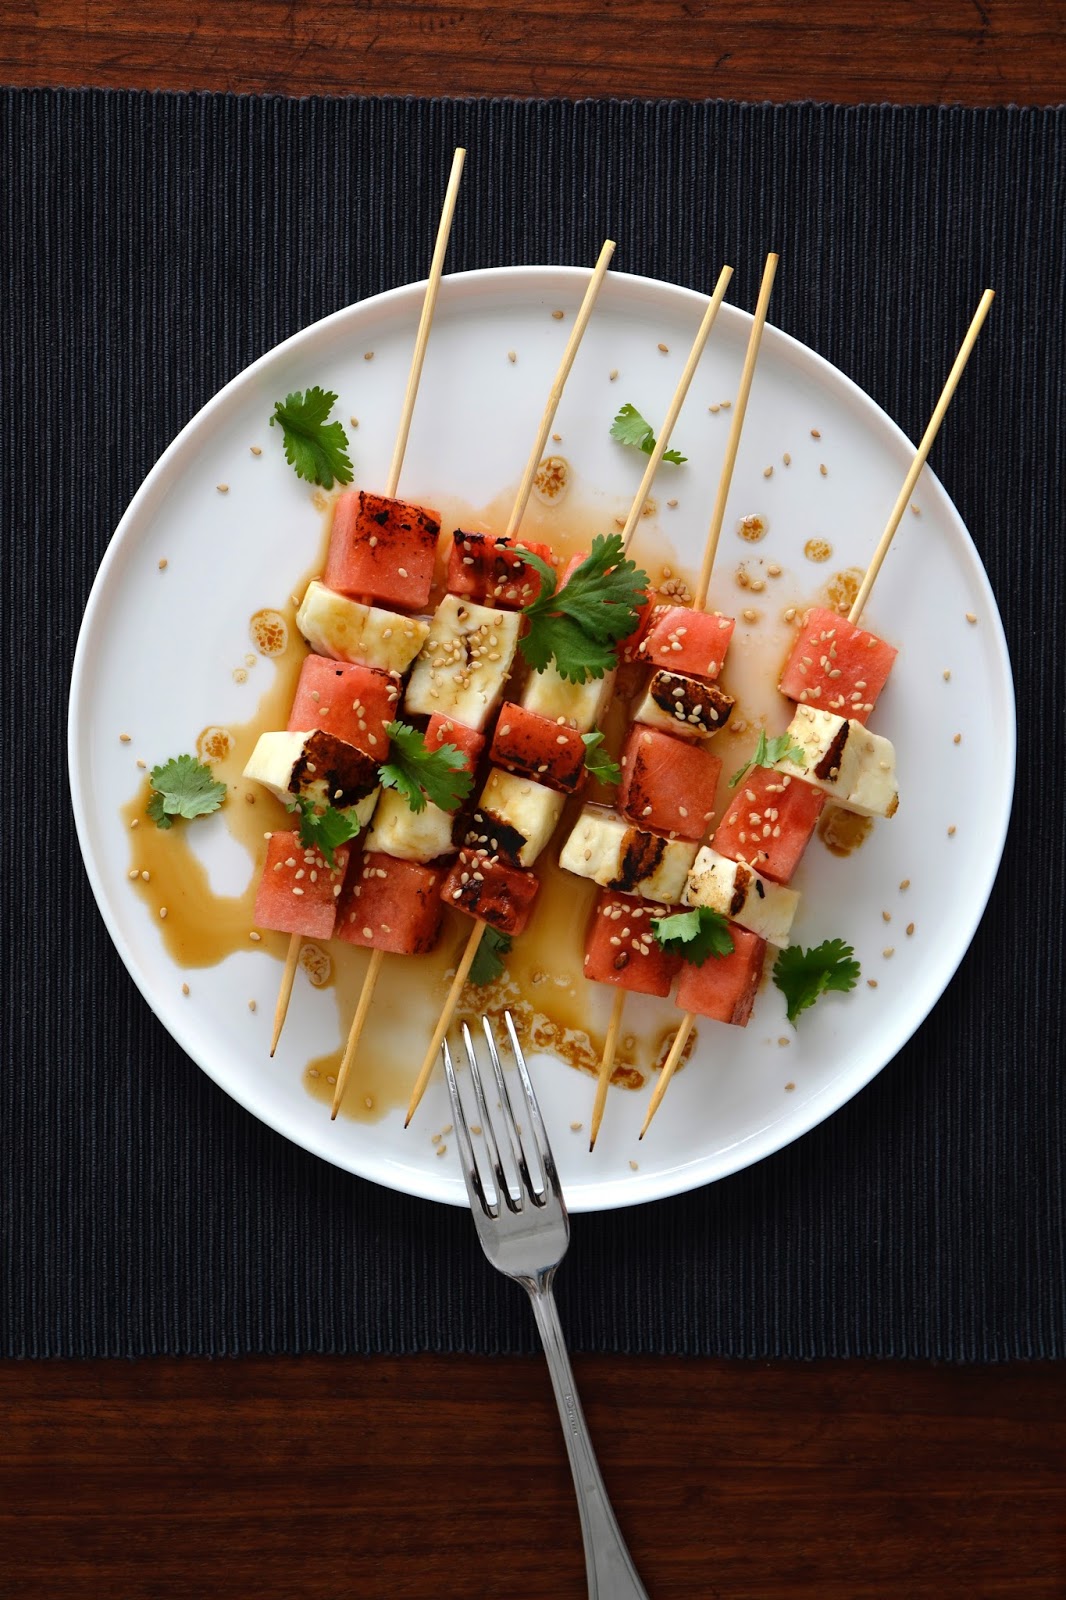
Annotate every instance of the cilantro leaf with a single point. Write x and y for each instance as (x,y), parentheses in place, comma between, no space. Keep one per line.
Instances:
(183,787)
(696,934)
(768,752)
(597,761)
(629,427)
(579,625)
(325,830)
(488,958)
(803,975)
(316,449)
(419,774)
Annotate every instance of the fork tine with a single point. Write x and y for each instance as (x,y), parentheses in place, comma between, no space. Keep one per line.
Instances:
(540,1133)
(474,1187)
(503,1188)
(518,1149)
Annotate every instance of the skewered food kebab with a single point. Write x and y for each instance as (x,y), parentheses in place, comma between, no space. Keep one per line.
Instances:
(540,754)
(834,674)
(642,857)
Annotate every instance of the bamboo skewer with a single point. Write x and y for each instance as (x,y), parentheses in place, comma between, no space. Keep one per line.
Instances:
(429,302)
(921,457)
(725,479)
(740,406)
(859,603)
(525,488)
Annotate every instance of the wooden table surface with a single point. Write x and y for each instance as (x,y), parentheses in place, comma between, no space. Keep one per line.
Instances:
(444,1476)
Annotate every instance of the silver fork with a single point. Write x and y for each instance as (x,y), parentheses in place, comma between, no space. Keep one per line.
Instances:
(524,1231)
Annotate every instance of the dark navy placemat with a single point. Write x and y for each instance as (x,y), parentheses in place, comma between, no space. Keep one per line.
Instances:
(153,245)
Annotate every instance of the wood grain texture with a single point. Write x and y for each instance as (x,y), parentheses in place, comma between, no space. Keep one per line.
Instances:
(977,52)
(447,1476)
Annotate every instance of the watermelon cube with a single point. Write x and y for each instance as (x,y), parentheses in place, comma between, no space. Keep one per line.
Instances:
(837,666)
(354,703)
(668,784)
(391,905)
(298,892)
(629,649)
(724,988)
(769,822)
(621,949)
(694,642)
(382,549)
(490,890)
(445,730)
(536,747)
(487,568)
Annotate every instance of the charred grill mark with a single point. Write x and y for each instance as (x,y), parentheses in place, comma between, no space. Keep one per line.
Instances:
(640,855)
(492,833)
(398,521)
(346,774)
(692,704)
(829,766)
(741,880)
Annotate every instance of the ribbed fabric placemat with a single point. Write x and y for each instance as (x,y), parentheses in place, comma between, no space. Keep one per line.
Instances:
(152,246)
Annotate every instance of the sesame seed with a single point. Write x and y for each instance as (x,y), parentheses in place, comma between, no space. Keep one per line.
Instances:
(905,884)
(512,356)
(947,675)
(124,738)
(767,472)
(886,916)
(888,952)
(223,488)
(951,831)
(368,355)
(970,617)
(251,1005)
(957,739)
(815,434)
(910,929)
(185,988)
(557,316)
(255,449)
(665,348)
(255,937)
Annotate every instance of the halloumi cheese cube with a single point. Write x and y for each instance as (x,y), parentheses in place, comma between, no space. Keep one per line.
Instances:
(347,630)
(410,835)
(855,767)
(515,817)
(738,892)
(461,669)
(685,706)
(604,847)
(580,705)
(315,766)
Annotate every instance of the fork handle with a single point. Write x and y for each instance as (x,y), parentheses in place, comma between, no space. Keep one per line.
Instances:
(609,1566)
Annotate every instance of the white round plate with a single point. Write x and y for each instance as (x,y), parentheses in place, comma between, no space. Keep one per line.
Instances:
(157,657)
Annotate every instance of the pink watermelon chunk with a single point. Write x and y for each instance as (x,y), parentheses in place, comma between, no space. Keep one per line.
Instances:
(724,988)
(668,784)
(538,748)
(351,702)
(687,641)
(298,892)
(381,549)
(445,730)
(768,822)
(621,949)
(493,569)
(837,666)
(391,905)
(490,890)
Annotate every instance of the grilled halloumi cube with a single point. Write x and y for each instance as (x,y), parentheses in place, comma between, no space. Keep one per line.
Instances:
(347,630)
(461,669)
(610,851)
(315,766)
(410,835)
(515,817)
(685,706)
(855,767)
(580,705)
(738,892)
